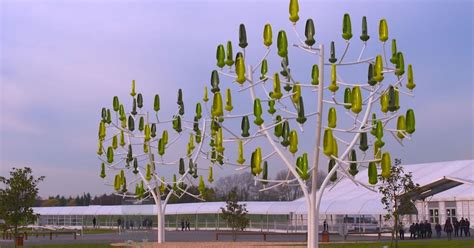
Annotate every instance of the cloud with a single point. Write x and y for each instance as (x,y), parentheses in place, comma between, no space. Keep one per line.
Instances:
(13,96)
(12,123)
(14,103)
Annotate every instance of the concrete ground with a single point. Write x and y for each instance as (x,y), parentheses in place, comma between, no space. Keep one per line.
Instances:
(180,236)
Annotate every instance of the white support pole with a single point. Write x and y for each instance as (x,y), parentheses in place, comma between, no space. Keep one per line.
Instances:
(344,155)
(313,214)
(289,165)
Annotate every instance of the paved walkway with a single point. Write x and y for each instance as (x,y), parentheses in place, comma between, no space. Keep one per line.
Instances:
(179,236)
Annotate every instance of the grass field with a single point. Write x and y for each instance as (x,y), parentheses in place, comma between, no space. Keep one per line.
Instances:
(411,244)
(405,244)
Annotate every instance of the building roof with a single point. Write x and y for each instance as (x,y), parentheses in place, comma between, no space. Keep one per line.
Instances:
(345,197)
(456,178)
(435,187)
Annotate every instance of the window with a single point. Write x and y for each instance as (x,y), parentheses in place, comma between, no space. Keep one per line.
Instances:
(451,214)
(434,215)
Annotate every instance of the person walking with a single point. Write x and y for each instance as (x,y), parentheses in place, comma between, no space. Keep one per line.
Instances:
(467,226)
(423,229)
(448,228)
(456,226)
(182,225)
(94,222)
(417,231)
(462,222)
(188,225)
(401,231)
(429,231)
(438,230)
(412,230)
(119,224)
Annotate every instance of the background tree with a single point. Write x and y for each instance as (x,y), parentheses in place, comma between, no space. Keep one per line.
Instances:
(280,110)
(243,184)
(106,199)
(207,195)
(292,191)
(235,214)
(392,189)
(51,202)
(250,190)
(17,198)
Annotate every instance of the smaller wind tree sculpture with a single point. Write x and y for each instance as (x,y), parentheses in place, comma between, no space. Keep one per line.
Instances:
(133,145)
(287,111)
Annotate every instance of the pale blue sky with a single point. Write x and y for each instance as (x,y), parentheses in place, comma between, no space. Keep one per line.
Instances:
(61,61)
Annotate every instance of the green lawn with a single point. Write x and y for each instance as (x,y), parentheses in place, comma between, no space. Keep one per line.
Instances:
(411,244)
(403,244)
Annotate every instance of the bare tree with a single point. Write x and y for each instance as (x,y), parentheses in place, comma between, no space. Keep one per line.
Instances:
(235,214)
(290,192)
(393,189)
(245,186)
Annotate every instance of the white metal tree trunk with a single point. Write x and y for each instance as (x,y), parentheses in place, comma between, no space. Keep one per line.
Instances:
(313,215)
(161,218)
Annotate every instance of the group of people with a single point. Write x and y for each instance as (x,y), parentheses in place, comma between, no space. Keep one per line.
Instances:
(420,230)
(185,225)
(423,230)
(147,223)
(461,227)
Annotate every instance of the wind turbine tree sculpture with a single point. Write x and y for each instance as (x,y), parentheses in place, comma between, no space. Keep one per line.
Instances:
(132,148)
(371,104)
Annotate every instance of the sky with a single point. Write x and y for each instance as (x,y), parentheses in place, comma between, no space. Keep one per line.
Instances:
(62,61)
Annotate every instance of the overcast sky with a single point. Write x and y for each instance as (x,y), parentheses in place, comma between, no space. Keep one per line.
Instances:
(62,61)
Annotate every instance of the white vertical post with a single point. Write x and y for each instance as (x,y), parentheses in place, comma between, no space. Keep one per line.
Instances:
(313,214)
